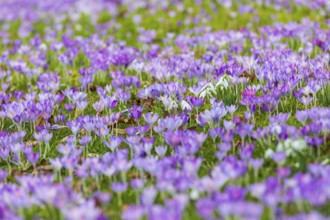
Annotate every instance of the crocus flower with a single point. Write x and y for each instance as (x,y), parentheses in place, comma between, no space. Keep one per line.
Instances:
(119,187)
(151,118)
(136,111)
(113,143)
(3,175)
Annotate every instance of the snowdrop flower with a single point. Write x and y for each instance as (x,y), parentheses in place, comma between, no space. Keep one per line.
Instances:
(299,144)
(207,90)
(194,194)
(223,83)
(283,147)
(291,146)
(168,102)
(185,105)
(269,152)
(276,129)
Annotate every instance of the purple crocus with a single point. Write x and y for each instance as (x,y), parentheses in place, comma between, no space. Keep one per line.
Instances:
(136,112)
(151,118)
(119,187)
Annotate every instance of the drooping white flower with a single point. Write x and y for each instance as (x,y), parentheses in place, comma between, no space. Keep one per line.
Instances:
(168,102)
(222,83)
(276,129)
(299,144)
(185,105)
(194,194)
(269,152)
(291,146)
(207,90)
